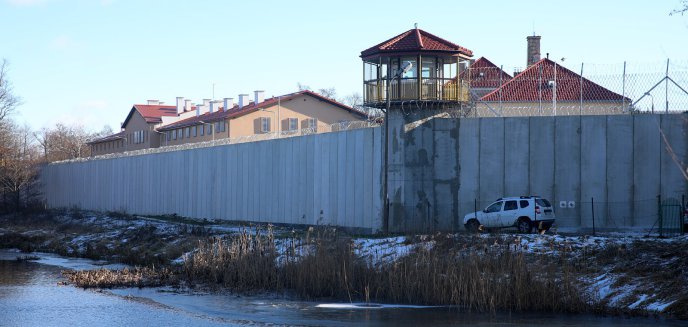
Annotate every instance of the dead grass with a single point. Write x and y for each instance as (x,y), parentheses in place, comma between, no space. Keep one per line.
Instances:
(106,278)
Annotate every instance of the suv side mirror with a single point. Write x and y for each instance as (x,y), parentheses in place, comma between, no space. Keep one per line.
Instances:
(485,210)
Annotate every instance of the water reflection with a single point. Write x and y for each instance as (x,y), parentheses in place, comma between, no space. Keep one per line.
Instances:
(30,296)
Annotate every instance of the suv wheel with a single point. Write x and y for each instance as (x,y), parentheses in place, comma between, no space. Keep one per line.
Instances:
(472,226)
(524,225)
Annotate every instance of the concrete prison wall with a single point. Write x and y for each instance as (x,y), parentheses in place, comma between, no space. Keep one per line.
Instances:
(439,170)
(443,168)
(331,178)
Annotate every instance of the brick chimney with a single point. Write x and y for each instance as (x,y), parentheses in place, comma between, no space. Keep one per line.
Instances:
(533,49)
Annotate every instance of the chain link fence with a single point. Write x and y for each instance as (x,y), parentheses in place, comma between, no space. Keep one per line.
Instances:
(551,88)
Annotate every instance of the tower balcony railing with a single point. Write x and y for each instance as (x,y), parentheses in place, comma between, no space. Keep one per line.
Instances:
(411,89)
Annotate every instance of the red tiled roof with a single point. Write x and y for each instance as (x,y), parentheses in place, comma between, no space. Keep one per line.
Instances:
(485,74)
(236,112)
(112,137)
(151,113)
(527,85)
(415,40)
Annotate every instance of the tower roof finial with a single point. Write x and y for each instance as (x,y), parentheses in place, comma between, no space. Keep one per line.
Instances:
(415,25)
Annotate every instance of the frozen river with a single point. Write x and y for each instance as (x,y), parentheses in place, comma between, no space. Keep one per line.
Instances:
(30,296)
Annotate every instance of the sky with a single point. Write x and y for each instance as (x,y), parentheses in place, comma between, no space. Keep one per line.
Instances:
(87,62)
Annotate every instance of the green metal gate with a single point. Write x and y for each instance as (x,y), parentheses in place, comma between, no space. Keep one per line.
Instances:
(670,221)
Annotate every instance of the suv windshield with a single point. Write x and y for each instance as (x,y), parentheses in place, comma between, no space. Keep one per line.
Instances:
(495,207)
(543,202)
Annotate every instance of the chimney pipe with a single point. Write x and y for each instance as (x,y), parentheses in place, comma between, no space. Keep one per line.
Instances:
(215,105)
(243,100)
(259,96)
(206,102)
(187,105)
(153,102)
(229,103)
(180,105)
(533,49)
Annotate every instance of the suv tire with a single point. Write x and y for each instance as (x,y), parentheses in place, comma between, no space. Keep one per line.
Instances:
(524,225)
(473,226)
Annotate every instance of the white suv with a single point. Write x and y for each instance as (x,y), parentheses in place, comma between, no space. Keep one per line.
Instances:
(525,213)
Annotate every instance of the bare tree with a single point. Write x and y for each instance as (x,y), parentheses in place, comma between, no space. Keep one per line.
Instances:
(64,142)
(19,164)
(683,8)
(8,100)
(354,100)
(303,87)
(328,93)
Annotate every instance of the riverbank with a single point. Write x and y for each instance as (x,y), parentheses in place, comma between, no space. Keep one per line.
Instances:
(613,273)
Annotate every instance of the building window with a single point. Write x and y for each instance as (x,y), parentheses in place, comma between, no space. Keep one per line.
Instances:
(265,124)
(187,131)
(219,126)
(139,137)
(293,124)
(180,133)
(174,134)
(202,128)
(312,123)
(210,129)
(193,131)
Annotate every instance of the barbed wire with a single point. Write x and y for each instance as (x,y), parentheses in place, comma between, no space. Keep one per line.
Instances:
(337,127)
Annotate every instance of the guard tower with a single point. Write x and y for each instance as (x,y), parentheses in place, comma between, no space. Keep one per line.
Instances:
(421,70)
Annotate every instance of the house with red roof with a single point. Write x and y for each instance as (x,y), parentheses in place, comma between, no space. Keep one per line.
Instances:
(483,77)
(154,125)
(138,129)
(283,114)
(546,87)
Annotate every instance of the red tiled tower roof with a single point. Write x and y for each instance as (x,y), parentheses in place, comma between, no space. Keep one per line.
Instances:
(527,86)
(414,41)
(485,74)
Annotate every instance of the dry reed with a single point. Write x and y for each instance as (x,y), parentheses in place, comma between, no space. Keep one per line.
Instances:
(483,276)
(135,277)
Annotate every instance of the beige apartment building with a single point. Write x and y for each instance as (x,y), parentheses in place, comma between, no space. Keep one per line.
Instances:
(154,125)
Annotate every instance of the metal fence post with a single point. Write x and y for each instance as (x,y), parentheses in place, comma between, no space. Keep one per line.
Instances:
(623,89)
(592,204)
(659,212)
(666,87)
(580,109)
(684,210)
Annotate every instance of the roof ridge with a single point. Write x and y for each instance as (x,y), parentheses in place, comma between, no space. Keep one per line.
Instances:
(385,44)
(419,38)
